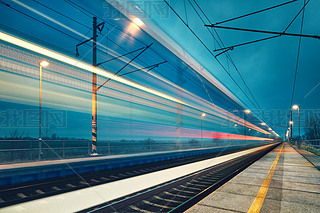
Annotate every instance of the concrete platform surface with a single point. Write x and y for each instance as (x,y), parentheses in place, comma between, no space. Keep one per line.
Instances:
(312,158)
(281,181)
(15,173)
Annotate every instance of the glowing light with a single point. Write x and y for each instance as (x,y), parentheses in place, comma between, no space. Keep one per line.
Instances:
(247,111)
(291,122)
(263,124)
(194,133)
(295,107)
(44,63)
(87,67)
(138,22)
(203,115)
(269,129)
(81,65)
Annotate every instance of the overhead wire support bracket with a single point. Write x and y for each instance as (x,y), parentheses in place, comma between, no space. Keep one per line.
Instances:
(117,57)
(115,74)
(225,50)
(242,44)
(252,13)
(149,68)
(263,31)
(99,27)
(77,51)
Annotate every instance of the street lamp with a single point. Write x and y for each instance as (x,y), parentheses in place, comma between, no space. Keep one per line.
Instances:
(287,135)
(246,112)
(43,63)
(297,107)
(202,116)
(138,22)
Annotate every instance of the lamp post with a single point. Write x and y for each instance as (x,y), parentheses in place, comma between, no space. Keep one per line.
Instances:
(291,130)
(41,64)
(246,112)
(202,116)
(297,107)
(287,135)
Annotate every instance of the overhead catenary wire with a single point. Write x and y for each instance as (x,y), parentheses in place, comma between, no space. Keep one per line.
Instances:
(302,9)
(263,39)
(85,35)
(219,38)
(298,56)
(143,42)
(48,25)
(206,47)
(84,9)
(245,43)
(191,80)
(267,38)
(79,7)
(256,12)
(265,31)
(19,11)
(227,54)
(75,6)
(58,30)
(60,13)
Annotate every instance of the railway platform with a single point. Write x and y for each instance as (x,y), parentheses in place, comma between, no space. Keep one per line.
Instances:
(131,190)
(16,173)
(281,181)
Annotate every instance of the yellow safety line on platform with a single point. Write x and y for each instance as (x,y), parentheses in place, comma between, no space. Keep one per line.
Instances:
(258,201)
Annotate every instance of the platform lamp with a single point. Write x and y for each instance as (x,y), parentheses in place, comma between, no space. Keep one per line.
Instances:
(246,112)
(42,63)
(202,116)
(297,107)
(291,130)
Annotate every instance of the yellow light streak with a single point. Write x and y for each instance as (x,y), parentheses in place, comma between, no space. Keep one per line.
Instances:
(73,62)
(76,63)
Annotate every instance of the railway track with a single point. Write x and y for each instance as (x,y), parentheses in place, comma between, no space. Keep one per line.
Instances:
(19,193)
(179,195)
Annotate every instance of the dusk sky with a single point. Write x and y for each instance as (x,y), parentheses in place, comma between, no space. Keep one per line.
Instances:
(268,67)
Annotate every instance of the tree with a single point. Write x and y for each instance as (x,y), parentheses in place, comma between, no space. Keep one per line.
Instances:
(15,135)
(312,127)
(149,142)
(194,142)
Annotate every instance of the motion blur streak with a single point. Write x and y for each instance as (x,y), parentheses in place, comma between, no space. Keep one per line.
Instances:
(195,133)
(133,28)
(47,17)
(208,107)
(115,89)
(81,65)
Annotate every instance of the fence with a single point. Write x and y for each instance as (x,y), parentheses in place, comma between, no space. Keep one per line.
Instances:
(28,150)
(311,145)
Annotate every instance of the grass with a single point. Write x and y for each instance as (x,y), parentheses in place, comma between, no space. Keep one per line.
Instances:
(311,150)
